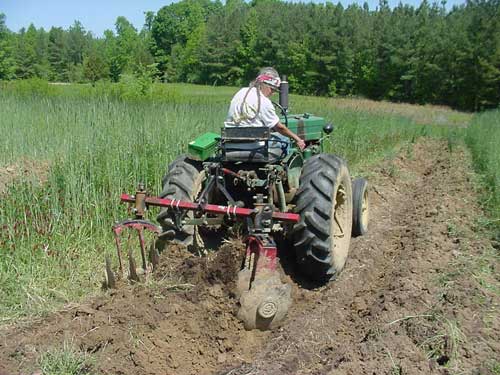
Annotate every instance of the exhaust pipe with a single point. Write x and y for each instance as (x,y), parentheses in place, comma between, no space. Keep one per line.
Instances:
(284,93)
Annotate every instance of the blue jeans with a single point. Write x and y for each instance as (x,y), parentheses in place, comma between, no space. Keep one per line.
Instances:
(279,141)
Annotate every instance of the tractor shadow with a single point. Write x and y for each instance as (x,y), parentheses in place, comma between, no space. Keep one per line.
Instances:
(212,239)
(290,266)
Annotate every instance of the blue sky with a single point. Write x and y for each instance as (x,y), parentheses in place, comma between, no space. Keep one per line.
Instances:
(99,15)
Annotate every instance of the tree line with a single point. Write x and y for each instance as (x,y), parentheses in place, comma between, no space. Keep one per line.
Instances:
(424,54)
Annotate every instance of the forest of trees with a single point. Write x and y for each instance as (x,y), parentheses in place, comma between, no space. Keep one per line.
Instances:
(426,54)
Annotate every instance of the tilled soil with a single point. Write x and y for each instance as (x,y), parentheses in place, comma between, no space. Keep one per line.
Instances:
(410,300)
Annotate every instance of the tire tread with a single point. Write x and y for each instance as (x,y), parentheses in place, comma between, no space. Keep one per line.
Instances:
(314,202)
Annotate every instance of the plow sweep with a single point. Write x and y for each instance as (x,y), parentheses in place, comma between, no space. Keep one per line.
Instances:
(139,226)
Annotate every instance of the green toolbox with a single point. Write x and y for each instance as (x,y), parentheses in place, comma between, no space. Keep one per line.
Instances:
(204,146)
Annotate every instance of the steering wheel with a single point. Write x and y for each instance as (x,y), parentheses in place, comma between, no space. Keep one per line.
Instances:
(283,112)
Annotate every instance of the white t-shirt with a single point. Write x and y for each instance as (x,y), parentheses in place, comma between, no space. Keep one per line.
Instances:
(242,116)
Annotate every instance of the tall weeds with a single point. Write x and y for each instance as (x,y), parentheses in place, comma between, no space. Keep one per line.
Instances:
(483,138)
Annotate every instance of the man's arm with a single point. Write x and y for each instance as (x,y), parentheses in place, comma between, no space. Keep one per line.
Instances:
(282,129)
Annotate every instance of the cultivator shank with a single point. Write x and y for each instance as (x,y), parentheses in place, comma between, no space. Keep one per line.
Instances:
(264,299)
(140,226)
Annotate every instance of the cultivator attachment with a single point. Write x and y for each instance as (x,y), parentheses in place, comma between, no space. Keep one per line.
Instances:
(264,299)
(140,226)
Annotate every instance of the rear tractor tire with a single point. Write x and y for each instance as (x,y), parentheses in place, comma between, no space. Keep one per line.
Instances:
(324,202)
(183,181)
(360,206)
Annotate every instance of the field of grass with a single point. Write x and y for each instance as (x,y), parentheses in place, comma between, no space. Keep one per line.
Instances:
(97,142)
(483,138)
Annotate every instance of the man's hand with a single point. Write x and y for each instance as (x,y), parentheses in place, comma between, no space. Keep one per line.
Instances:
(282,129)
(300,142)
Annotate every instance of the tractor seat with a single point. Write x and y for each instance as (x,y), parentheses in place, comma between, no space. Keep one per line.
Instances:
(251,144)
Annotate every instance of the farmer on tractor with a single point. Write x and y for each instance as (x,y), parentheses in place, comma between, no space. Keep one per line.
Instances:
(251,106)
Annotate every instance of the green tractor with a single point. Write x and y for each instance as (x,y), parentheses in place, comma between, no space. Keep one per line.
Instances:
(244,177)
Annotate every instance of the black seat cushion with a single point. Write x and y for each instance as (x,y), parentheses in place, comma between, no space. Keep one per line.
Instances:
(251,152)
(251,144)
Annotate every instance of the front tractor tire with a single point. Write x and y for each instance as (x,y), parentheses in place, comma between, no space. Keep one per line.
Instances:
(324,201)
(360,207)
(183,181)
